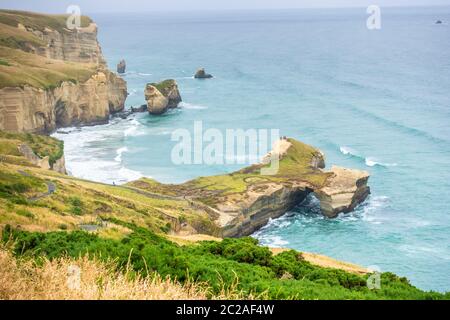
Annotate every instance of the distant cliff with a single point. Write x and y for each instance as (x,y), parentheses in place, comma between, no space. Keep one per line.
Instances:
(53,77)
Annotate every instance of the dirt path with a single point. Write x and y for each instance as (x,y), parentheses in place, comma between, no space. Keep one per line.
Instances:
(51,188)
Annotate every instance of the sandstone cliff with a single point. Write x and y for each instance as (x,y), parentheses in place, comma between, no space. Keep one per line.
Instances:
(32,109)
(54,77)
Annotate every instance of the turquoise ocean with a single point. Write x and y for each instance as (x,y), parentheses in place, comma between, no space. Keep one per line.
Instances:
(377,100)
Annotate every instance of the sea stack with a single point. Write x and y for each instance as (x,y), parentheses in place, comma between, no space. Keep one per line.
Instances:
(162,96)
(121,66)
(201,74)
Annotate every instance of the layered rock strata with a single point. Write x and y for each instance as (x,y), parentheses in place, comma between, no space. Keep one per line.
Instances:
(68,103)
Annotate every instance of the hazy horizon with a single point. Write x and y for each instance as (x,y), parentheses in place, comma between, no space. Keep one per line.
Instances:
(111,6)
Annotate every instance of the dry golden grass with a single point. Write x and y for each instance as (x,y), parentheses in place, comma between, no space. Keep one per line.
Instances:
(90,279)
(59,280)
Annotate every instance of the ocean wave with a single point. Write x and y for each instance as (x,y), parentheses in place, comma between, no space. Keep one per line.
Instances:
(134,130)
(369,161)
(119,152)
(186,105)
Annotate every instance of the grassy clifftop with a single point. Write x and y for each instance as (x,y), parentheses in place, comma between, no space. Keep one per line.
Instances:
(295,166)
(20,65)
(37,21)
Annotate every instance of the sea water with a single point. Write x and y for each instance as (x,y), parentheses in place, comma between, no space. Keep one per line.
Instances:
(377,100)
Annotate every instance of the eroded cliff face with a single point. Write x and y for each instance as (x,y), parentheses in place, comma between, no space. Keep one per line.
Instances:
(243,216)
(37,110)
(30,109)
(78,45)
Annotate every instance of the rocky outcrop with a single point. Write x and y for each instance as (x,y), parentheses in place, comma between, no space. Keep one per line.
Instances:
(121,67)
(201,74)
(66,103)
(162,96)
(244,201)
(344,190)
(43,163)
(36,110)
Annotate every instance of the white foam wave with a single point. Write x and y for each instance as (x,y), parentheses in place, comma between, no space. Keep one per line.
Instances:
(369,161)
(134,129)
(119,152)
(349,151)
(186,105)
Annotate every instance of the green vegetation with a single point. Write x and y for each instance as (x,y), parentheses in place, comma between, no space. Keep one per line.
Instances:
(25,213)
(20,66)
(41,145)
(37,71)
(15,187)
(295,166)
(77,206)
(163,85)
(254,269)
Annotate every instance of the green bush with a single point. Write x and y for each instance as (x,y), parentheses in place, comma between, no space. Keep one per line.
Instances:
(25,213)
(220,264)
(77,206)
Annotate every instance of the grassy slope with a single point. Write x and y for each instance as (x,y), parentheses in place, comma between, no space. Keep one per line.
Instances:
(41,145)
(19,67)
(76,201)
(137,224)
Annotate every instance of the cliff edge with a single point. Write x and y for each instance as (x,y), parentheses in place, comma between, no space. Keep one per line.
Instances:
(52,77)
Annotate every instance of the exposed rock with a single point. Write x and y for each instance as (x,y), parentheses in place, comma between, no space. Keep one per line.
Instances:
(142,108)
(78,45)
(43,163)
(162,96)
(121,67)
(32,109)
(439,22)
(344,190)
(201,74)
(60,165)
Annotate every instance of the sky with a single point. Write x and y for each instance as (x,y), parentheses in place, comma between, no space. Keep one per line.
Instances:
(99,6)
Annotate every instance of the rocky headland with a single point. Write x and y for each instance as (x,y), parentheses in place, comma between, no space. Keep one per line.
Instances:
(242,202)
(53,77)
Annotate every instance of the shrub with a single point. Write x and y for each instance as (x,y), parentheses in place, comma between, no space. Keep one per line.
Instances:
(76,206)
(25,213)
(223,265)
